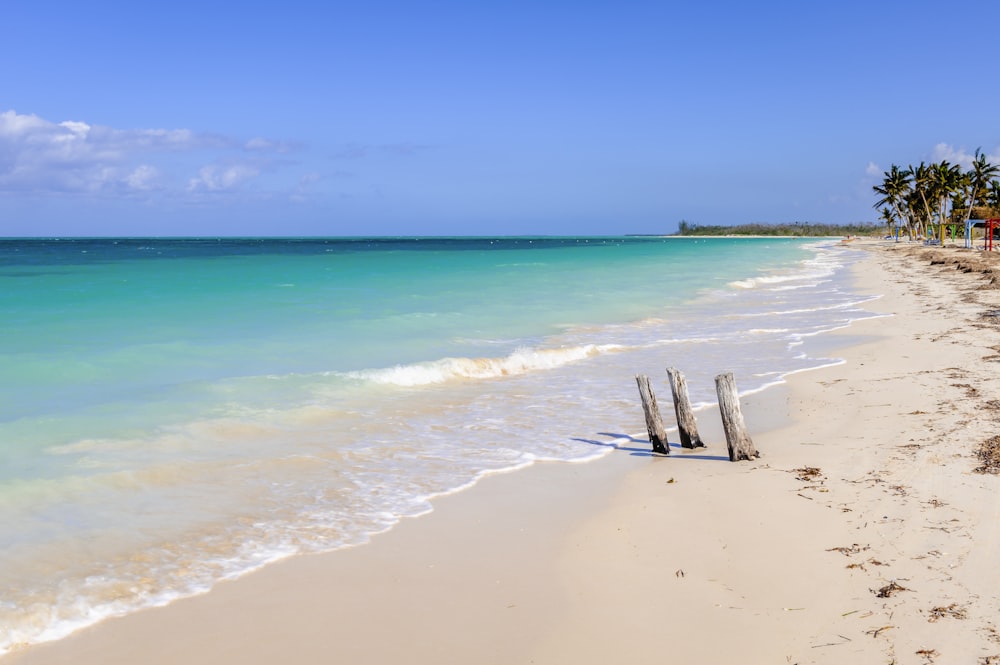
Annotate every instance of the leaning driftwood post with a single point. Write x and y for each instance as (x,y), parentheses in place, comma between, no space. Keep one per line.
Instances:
(687,427)
(737,438)
(654,424)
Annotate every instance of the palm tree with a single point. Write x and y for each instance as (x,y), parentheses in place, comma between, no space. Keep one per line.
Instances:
(921,187)
(888,218)
(893,190)
(979,180)
(946,179)
(993,197)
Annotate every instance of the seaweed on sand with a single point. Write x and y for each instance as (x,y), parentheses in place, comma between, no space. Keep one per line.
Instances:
(989,455)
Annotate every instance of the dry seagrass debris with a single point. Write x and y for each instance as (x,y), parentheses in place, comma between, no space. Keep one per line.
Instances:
(872,561)
(970,391)
(874,632)
(847,551)
(888,590)
(927,653)
(989,454)
(808,474)
(955,611)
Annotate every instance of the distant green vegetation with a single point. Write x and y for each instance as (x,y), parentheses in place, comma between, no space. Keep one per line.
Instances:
(797,229)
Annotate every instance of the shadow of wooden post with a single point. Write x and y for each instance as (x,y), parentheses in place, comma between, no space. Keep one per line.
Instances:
(737,438)
(687,426)
(654,423)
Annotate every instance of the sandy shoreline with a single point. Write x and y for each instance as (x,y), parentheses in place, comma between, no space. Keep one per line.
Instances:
(866,488)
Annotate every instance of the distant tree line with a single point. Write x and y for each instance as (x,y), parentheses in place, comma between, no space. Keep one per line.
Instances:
(796,229)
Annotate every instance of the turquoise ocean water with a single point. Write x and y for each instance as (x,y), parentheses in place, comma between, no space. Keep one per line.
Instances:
(174,412)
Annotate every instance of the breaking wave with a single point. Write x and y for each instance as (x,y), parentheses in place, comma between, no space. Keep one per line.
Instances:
(521,361)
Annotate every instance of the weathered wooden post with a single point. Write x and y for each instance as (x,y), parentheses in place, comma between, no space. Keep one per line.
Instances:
(687,427)
(737,438)
(654,424)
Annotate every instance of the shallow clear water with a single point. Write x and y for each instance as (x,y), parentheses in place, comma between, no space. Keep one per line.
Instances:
(175,412)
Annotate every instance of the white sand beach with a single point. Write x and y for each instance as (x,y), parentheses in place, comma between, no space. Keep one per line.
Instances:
(862,534)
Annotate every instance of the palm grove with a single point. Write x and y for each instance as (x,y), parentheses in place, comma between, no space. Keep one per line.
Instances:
(919,198)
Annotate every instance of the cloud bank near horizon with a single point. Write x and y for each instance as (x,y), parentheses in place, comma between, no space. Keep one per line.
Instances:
(39,156)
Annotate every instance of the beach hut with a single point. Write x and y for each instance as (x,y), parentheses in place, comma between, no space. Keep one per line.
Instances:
(990,225)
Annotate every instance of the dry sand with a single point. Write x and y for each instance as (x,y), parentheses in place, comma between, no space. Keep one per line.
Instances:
(863,534)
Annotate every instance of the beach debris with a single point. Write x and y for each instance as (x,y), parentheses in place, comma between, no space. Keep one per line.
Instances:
(671,481)
(737,438)
(941,528)
(679,573)
(687,426)
(927,653)
(990,660)
(888,590)
(654,423)
(844,640)
(874,632)
(808,474)
(970,391)
(847,551)
(860,616)
(953,611)
(989,454)
(873,562)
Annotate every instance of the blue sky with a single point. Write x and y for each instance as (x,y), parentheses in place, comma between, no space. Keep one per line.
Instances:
(426,118)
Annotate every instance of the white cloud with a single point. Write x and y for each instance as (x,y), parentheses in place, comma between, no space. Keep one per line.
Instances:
(258,144)
(945,151)
(213,178)
(264,145)
(78,128)
(40,156)
(14,125)
(873,169)
(143,178)
(73,156)
(960,156)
